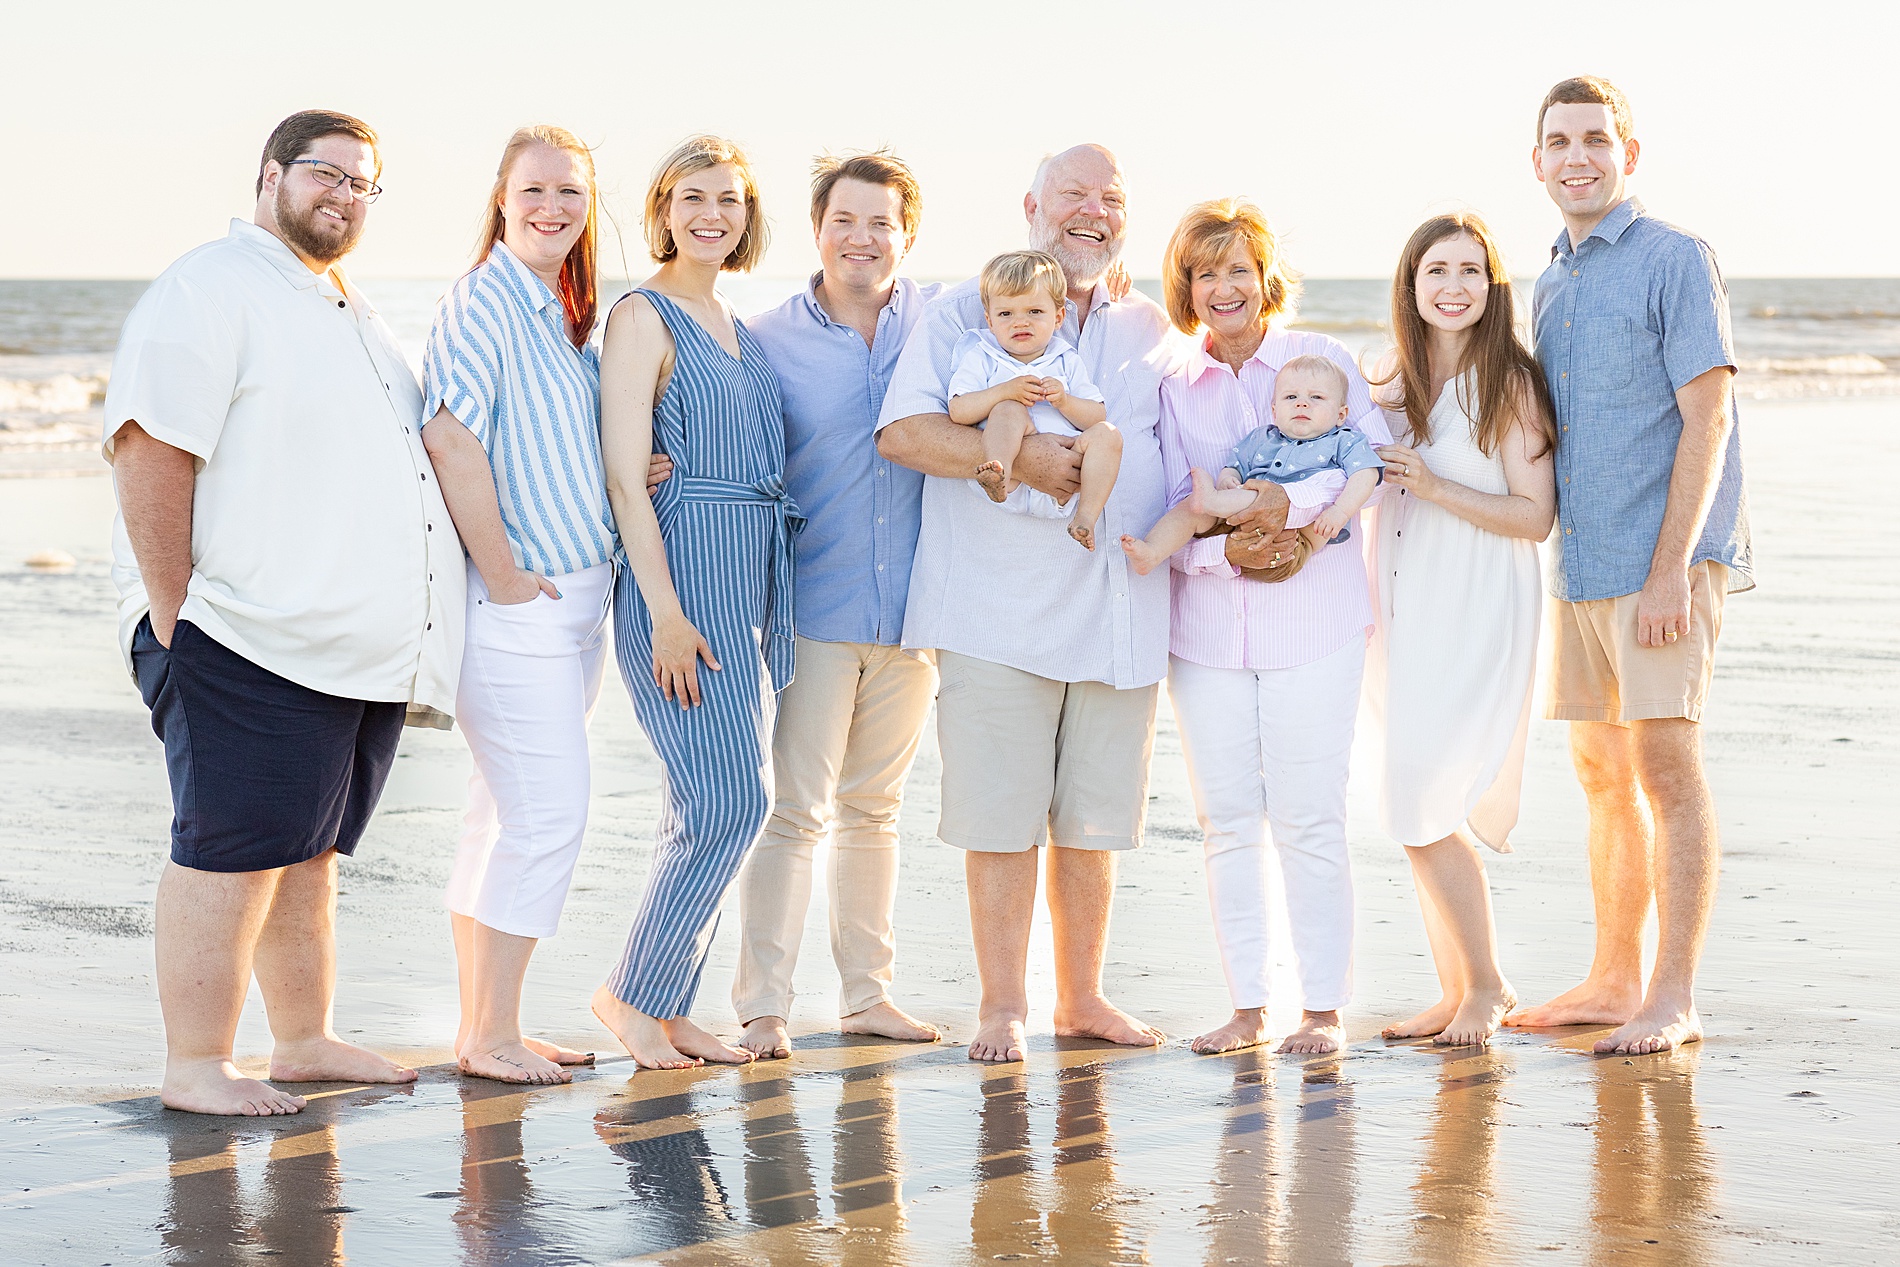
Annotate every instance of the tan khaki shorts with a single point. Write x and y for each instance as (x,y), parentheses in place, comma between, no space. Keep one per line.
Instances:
(1599,672)
(1029,761)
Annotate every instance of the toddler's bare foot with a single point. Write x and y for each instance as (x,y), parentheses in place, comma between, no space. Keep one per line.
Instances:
(994,480)
(510,1062)
(1426,1023)
(887,1020)
(1248,1028)
(694,1041)
(765,1038)
(1085,534)
(643,1037)
(1197,500)
(1141,556)
(560,1055)
(1318,1032)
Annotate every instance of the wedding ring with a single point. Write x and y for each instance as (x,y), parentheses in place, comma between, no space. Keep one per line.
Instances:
(1670,636)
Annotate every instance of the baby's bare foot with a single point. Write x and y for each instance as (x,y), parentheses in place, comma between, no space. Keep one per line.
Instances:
(1084,534)
(994,480)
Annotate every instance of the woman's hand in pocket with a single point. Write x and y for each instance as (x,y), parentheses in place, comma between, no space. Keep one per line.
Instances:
(678,647)
(521,587)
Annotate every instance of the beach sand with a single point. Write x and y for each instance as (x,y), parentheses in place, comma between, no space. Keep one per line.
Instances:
(1777,1139)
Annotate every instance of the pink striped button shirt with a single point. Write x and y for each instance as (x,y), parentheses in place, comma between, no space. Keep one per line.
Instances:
(1221,619)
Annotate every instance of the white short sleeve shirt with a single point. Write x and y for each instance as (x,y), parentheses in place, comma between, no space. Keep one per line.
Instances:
(321,547)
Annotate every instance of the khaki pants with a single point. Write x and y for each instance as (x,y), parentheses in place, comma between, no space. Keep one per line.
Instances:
(848,728)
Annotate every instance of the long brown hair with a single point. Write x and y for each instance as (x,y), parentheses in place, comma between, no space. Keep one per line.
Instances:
(579,291)
(1507,373)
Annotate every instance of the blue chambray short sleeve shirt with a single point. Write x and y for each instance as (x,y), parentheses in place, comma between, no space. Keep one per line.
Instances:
(1266,453)
(1621,323)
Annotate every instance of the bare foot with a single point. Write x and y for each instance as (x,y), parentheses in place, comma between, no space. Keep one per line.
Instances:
(511,1062)
(1318,1032)
(694,1041)
(994,480)
(766,1039)
(558,1054)
(1478,1018)
(1202,485)
(1084,534)
(216,1086)
(643,1037)
(887,1020)
(1426,1023)
(1592,1003)
(1099,1018)
(330,1059)
(1655,1028)
(999,1040)
(1141,556)
(1248,1028)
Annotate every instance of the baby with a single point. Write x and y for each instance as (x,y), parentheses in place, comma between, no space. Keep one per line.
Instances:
(1308,435)
(1019,376)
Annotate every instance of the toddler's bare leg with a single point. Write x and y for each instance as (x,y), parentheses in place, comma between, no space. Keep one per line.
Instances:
(1101,450)
(1174,530)
(1003,433)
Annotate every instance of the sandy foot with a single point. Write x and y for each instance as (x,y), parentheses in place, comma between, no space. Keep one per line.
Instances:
(1478,1018)
(333,1060)
(216,1087)
(1102,1019)
(558,1054)
(691,1040)
(1247,1029)
(994,480)
(1084,535)
(1654,1029)
(643,1037)
(1592,1003)
(512,1062)
(999,1039)
(766,1039)
(1427,1023)
(1318,1032)
(887,1020)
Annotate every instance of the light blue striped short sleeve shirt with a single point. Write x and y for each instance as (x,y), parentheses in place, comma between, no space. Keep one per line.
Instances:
(499,358)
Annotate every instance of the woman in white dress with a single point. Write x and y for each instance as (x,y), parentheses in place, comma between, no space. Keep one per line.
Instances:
(1454,651)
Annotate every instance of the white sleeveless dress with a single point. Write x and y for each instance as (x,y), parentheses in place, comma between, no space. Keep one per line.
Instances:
(1454,649)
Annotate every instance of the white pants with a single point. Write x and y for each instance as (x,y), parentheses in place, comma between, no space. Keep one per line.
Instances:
(530,676)
(1272,746)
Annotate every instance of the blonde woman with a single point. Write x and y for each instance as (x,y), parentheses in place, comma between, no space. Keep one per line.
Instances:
(512,390)
(703,610)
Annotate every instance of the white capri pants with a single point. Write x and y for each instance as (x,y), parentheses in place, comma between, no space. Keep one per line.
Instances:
(530,677)
(1268,750)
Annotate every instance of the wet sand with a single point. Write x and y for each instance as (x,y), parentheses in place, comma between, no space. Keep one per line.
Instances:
(1777,1139)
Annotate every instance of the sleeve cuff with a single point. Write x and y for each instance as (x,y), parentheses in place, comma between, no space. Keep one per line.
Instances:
(1204,556)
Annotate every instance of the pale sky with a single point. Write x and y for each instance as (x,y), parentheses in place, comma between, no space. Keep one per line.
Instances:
(130,132)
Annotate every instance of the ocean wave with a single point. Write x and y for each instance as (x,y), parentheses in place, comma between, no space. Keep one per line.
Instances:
(1777,312)
(1850,365)
(59,394)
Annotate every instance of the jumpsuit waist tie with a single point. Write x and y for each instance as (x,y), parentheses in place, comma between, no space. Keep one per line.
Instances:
(779,625)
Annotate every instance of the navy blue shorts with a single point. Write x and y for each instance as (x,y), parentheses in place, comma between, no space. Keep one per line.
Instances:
(265,773)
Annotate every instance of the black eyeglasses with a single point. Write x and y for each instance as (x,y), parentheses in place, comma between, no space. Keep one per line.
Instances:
(330,178)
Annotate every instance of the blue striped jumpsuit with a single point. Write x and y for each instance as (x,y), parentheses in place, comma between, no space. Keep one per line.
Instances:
(727,524)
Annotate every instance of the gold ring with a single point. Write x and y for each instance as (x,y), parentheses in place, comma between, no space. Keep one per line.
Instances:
(1670,636)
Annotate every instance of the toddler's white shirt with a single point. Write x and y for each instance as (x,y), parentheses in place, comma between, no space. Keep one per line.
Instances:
(979,363)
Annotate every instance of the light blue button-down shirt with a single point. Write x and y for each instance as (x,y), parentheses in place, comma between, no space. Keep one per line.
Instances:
(1623,322)
(862,511)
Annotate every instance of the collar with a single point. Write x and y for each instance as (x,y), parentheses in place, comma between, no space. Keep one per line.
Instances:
(817,310)
(539,296)
(1271,353)
(279,255)
(1056,347)
(1098,300)
(1610,228)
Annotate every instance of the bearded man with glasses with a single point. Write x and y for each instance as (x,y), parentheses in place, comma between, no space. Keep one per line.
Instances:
(290,591)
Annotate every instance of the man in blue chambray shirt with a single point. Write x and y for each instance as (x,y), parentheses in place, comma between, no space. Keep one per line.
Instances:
(1632,328)
(849,724)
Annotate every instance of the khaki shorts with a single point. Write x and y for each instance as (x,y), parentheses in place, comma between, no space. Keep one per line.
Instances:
(1599,672)
(1028,760)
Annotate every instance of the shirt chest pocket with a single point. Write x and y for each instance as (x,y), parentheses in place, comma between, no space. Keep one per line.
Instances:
(1606,353)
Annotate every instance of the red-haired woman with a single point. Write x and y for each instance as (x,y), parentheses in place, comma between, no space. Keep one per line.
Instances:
(512,391)
(1454,651)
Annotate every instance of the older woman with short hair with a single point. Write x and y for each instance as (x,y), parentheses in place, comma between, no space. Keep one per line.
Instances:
(1264,677)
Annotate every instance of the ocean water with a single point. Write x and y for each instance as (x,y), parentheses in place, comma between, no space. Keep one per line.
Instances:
(1795,339)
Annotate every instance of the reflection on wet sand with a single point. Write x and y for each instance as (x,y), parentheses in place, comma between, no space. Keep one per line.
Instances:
(293,1211)
(1653,1181)
(1455,1196)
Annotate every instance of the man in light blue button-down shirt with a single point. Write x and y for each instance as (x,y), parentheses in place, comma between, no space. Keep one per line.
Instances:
(849,724)
(1632,328)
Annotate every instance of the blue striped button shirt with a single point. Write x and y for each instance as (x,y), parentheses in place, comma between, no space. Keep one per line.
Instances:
(862,511)
(499,358)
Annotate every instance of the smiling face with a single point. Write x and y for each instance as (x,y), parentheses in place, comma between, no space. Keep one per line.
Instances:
(1452,284)
(1078,213)
(1228,295)
(1582,161)
(1023,323)
(544,206)
(1307,403)
(707,213)
(321,225)
(861,235)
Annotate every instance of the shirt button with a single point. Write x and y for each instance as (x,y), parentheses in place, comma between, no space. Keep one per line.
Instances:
(429,626)
(1574,272)
(1566,532)
(1566,325)
(341,304)
(1564,374)
(1566,426)
(880,519)
(425,479)
(880,567)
